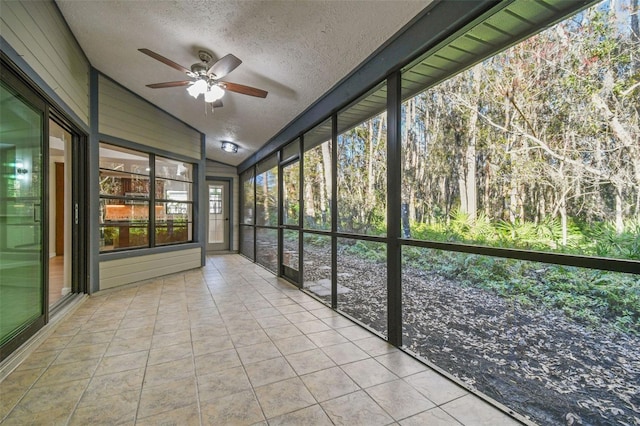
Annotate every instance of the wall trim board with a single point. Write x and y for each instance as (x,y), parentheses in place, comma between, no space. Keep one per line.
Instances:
(202,206)
(93,173)
(132,254)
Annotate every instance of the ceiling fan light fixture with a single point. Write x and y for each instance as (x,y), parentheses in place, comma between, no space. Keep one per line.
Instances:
(197,88)
(229,147)
(214,93)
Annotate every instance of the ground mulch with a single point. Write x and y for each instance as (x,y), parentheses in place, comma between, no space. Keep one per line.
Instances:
(535,360)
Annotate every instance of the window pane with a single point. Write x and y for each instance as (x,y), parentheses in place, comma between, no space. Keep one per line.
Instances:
(115,236)
(267,196)
(248,200)
(267,248)
(291,193)
(362,167)
(290,249)
(246,247)
(173,190)
(173,211)
(539,338)
(317,177)
(362,282)
(530,148)
(215,199)
(121,184)
(174,169)
(173,222)
(123,160)
(317,266)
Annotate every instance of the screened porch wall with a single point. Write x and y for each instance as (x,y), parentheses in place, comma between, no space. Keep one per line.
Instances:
(437,289)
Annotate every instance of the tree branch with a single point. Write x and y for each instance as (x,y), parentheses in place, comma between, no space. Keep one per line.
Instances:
(545,147)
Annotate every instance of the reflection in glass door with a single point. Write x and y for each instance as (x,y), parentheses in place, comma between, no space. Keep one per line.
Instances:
(60,212)
(21,213)
(218,223)
(291,220)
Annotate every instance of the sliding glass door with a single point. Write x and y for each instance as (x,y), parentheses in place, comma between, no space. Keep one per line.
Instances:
(22,266)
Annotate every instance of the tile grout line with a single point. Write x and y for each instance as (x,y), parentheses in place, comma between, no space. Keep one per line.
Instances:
(146,364)
(75,407)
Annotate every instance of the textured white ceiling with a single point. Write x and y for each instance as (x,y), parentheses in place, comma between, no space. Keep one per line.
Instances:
(296,50)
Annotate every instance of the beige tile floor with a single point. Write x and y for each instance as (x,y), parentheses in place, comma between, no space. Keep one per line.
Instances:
(224,345)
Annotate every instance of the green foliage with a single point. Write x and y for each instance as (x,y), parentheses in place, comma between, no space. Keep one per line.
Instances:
(316,240)
(589,296)
(591,240)
(610,243)
(367,250)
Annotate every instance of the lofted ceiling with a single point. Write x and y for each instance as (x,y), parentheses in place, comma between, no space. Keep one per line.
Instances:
(295,49)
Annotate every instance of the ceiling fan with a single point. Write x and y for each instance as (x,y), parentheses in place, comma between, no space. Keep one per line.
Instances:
(206,77)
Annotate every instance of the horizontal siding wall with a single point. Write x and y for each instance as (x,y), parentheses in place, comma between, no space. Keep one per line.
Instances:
(37,32)
(114,273)
(215,169)
(124,115)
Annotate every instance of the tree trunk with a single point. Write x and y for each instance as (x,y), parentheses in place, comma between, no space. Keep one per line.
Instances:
(309,202)
(406,229)
(326,164)
(265,190)
(486,200)
(462,177)
(619,221)
(521,202)
(542,208)
(635,28)
(370,138)
(323,194)
(513,203)
(470,155)
(563,218)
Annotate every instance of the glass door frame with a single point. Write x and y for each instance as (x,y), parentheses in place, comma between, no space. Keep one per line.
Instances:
(285,271)
(79,191)
(31,94)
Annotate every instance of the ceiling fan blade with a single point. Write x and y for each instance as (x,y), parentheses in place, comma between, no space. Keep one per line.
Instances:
(164,60)
(224,66)
(217,104)
(245,90)
(169,84)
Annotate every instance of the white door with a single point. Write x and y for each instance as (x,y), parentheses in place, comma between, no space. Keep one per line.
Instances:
(218,223)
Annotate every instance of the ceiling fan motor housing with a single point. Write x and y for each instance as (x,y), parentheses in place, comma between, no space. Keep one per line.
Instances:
(199,69)
(205,56)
